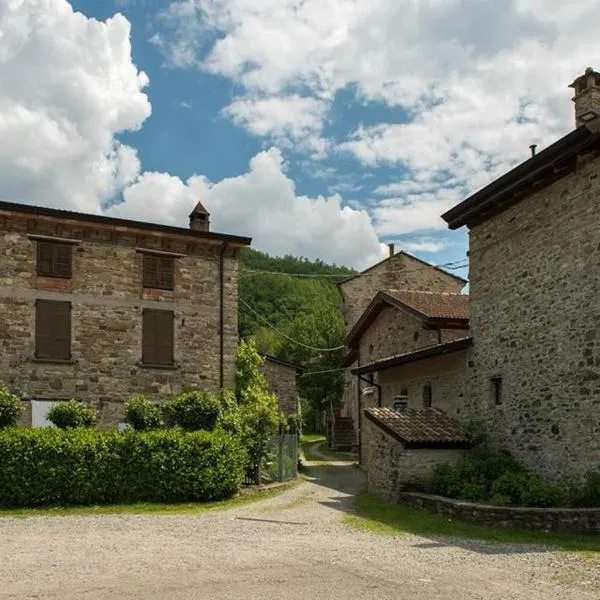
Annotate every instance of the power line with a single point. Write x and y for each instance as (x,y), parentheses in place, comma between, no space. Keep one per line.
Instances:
(287,337)
(325,371)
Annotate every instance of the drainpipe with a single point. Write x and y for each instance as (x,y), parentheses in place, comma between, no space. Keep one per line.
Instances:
(361,378)
(222,315)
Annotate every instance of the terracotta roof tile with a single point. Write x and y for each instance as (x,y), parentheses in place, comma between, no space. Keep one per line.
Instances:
(414,428)
(434,305)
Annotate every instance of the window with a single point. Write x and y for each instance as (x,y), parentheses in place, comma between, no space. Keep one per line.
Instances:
(427,396)
(54,259)
(53,330)
(496,383)
(158,271)
(401,401)
(157,337)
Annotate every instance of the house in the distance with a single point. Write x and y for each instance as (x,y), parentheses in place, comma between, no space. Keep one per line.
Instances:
(281,377)
(534,247)
(388,311)
(98,308)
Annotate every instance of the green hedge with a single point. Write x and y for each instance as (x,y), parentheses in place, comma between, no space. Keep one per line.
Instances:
(53,467)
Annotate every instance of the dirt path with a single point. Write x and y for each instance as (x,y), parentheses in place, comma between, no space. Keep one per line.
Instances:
(293,546)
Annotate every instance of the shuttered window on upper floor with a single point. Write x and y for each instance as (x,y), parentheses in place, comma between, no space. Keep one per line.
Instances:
(53,330)
(157,337)
(158,271)
(54,259)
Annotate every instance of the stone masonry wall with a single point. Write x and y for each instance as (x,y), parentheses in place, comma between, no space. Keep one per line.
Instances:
(579,520)
(401,272)
(107,301)
(391,468)
(535,315)
(445,374)
(282,382)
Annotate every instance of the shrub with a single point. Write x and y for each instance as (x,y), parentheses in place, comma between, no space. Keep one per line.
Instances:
(589,494)
(89,466)
(142,414)
(10,406)
(70,414)
(192,411)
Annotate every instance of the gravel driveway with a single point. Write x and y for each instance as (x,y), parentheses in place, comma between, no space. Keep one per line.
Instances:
(293,546)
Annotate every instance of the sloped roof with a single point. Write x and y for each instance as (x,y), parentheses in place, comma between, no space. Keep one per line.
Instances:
(199,209)
(429,427)
(414,356)
(551,164)
(432,307)
(392,257)
(285,363)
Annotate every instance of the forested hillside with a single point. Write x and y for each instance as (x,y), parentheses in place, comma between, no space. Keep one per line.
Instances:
(292,307)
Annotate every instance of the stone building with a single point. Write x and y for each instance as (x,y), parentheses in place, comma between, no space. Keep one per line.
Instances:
(281,376)
(98,308)
(371,310)
(534,247)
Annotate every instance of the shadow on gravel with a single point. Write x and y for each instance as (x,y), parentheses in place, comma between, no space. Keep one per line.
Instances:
(440,532)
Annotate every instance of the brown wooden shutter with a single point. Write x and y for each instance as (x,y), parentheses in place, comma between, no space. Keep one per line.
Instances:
(54,259)
(53,330)
(167,264)
(150,270)
(157,337)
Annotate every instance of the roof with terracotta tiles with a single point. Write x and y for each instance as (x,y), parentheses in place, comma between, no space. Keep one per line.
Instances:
(423,428)
(434,305)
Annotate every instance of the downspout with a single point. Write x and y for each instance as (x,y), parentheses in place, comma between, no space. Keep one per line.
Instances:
(361,378)
(222,315)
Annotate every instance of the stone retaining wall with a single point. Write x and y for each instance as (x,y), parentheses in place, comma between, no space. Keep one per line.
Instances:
(579,520)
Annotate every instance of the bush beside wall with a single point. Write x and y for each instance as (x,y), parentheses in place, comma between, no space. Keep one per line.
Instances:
(45,467)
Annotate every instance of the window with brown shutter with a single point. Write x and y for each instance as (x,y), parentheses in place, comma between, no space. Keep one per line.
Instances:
(158,271)
(54,259)
(157,337)
(53,330)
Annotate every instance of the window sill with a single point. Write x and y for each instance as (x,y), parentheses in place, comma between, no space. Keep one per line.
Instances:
(161,367)
(53,361)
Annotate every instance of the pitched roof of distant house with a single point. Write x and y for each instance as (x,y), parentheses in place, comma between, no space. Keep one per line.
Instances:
(405,254)
(414,355)
(284,363)
(551,164)
(67,215)
(420,428)
(432,307)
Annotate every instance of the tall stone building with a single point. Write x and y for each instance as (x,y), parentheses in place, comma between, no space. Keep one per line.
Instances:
(369,299)
(534,247)
(98,308)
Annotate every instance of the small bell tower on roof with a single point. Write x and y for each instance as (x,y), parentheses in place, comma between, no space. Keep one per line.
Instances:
(200,218)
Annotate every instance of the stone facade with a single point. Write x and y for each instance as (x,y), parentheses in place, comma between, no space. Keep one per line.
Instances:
(282,382)
(391,468)
(535,281)
(400,271)
(578,520)
(107,298)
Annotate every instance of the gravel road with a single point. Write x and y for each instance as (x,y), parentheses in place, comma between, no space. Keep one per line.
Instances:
(293,546)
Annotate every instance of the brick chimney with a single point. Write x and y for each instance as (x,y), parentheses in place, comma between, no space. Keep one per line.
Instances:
(200,218)
(587,97)
(391,249)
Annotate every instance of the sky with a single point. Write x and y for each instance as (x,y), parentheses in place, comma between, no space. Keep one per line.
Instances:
(320,128)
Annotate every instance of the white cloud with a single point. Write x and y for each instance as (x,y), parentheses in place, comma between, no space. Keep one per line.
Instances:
(68,87)
(261,203)
(428,245)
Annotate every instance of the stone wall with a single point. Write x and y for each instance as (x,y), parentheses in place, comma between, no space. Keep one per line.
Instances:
(402,272)
(579,520)
(535,314)
(391,468)
(282,382)
(107,301)
(446,374)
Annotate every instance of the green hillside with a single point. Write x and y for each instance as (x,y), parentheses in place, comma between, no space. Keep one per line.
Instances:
(292,307)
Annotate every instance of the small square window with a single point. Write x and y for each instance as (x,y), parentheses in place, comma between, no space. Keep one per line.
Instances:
(54,259)
(496,390)
(158,271)
(427,396)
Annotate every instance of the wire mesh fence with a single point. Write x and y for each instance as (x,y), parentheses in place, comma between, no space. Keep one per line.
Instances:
(281,463)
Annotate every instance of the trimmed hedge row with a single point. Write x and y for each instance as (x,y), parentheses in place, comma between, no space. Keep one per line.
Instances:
(46,467)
